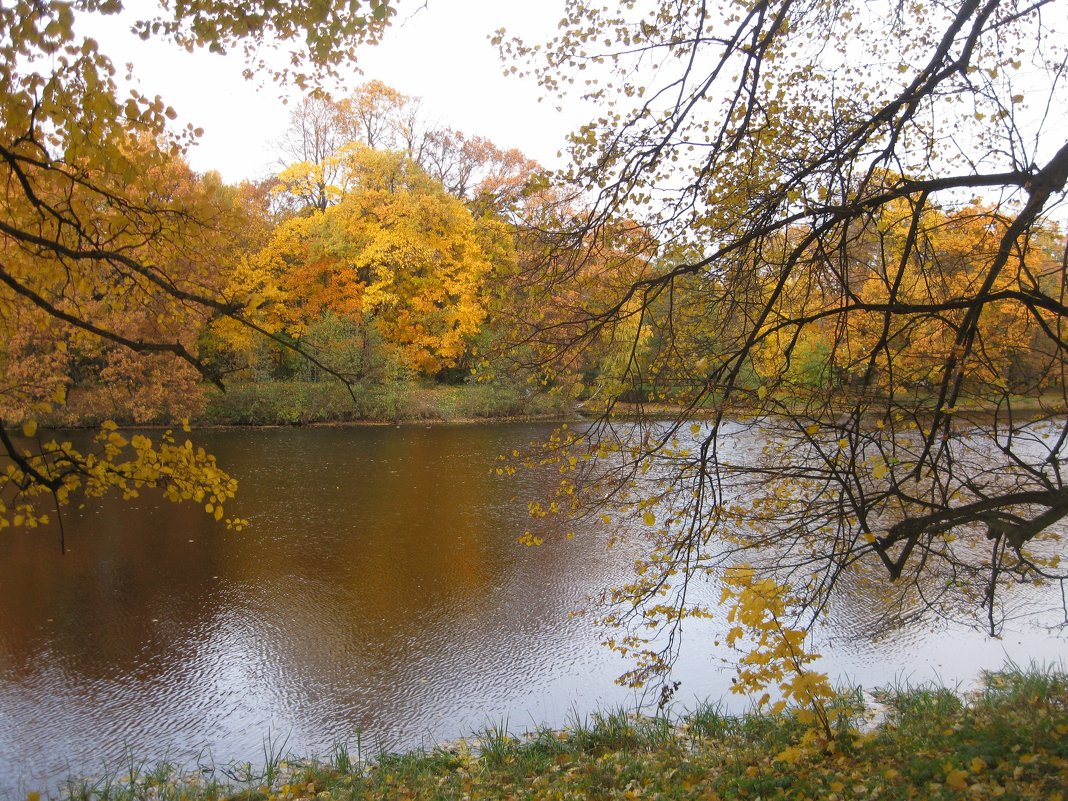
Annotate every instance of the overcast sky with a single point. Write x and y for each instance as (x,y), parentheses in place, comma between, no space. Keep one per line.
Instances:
(438,50)
(440,53)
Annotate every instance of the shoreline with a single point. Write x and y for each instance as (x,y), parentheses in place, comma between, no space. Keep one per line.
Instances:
(1004,739)
(295,404)
(425,422)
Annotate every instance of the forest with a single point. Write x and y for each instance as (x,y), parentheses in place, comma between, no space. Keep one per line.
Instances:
(384,253)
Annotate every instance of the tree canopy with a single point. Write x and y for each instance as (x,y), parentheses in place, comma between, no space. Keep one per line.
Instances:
(110,249)
(469,167)
(395,255)
(855,308)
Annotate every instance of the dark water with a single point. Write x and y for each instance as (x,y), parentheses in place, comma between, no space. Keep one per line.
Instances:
(380,590)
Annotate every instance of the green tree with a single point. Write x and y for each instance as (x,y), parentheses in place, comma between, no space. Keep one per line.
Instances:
(808,170)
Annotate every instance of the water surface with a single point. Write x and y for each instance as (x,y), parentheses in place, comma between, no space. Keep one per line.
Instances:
(379,590)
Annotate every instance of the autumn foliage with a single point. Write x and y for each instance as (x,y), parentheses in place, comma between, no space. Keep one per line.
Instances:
(396,257)
(823,290)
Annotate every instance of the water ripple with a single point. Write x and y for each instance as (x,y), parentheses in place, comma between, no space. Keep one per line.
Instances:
(380,590)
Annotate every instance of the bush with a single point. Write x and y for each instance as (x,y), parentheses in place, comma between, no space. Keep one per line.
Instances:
(302,402)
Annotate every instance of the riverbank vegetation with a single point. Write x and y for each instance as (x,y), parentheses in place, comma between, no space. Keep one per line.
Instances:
(1006,740)
(294,402)
(374,264)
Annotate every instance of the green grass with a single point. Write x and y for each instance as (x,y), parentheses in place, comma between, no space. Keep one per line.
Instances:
(303,402)
(1008,740)
(309,402)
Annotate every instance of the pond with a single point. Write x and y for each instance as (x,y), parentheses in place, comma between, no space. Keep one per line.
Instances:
(379,591)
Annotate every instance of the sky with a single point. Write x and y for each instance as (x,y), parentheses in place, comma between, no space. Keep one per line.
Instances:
(439,52)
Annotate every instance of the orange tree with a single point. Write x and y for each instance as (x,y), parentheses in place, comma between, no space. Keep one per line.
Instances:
(102,229)
(395,258)
(856,307)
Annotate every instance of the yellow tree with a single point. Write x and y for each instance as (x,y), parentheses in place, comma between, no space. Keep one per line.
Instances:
(314,136)
(396,254)
(97,240)
(321,129)
(374,117)
(486,177)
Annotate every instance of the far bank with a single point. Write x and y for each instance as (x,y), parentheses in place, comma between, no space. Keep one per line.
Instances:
(286,403)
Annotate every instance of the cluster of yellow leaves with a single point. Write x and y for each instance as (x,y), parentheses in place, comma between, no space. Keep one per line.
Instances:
(908,259)
(120,292)
(775,653)
(55,473)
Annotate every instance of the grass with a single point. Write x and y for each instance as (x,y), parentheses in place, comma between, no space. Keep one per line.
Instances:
(307,402)
(1008,740)
(302,402)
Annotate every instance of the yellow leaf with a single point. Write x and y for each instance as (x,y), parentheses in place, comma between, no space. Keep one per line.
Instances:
(29,428)
(791,755)
(762,392)
(649,518)
(880,470)
(957,779)
(813,429)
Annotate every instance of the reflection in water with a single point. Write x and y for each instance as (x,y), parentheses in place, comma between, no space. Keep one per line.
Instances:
(380,589)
